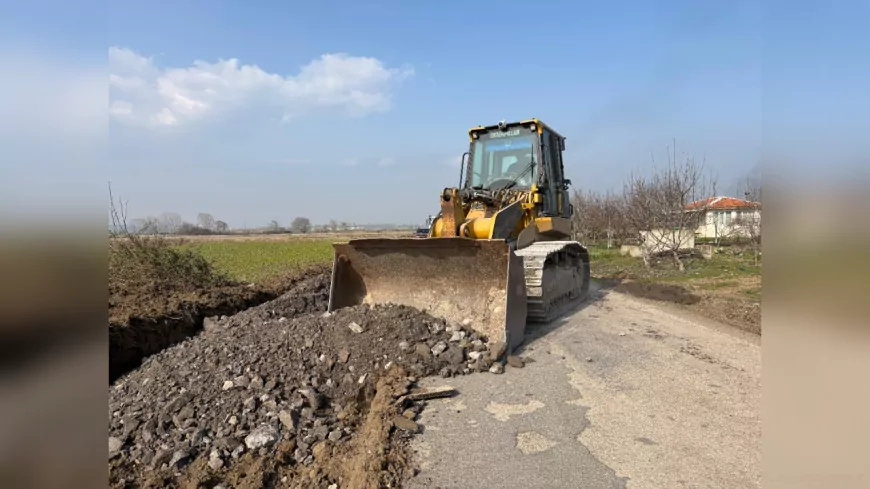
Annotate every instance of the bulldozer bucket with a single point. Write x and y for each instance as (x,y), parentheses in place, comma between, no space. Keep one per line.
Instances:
(479,283)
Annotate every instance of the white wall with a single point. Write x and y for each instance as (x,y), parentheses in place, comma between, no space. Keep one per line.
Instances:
(724,223)
(659,240)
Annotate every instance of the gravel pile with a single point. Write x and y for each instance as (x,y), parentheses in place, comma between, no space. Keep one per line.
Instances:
(285,374)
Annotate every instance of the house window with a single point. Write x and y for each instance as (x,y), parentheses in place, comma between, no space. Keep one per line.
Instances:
(727,218)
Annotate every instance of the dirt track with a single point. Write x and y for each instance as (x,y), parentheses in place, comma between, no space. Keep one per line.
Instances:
(624,392)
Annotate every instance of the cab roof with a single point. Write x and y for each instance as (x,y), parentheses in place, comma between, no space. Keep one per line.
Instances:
(541,125)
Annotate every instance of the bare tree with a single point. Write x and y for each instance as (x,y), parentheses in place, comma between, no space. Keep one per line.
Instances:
(597,216)
(221,227)
(205,221)
(333,226)
(169,223)
(657,206)
(143,225)
(580,218)
(300,225)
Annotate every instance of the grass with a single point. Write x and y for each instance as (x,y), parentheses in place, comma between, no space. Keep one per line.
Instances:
(608,263)
(259,261)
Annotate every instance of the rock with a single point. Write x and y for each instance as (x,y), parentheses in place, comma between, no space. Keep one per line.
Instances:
(290,419)
(621,334)
(439,348)
(454,355)
(147,457)
(334,435)
(466,322)
(497,368)
(435,327)
(343,355)
(410,414)
(233,420)
(179,402)
(356,328)
(228,384)
(362,379)
(130,425)
(405,424)
(238,451)
(404,346)
(270,385)
(115,445)
(320,451)
(422,350)
(326,314)
(242,381)
(445,372)
(457,336)
(589,359)
(160,458)
(256,383)
(315,399)
(210,324)
(215,463)
(197,437)
(179,458)
(475,355)
(250,404)
(320,432)
(496,350)
(515,361)
(264,436)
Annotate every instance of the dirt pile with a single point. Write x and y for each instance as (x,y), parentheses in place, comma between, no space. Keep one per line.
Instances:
(280,391)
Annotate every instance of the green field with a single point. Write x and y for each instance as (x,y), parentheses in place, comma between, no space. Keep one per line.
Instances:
(254,261)
(259,261)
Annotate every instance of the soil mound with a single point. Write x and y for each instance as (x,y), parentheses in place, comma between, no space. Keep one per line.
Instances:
(272,391)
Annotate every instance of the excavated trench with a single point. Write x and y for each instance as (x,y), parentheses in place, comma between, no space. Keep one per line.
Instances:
(140,337)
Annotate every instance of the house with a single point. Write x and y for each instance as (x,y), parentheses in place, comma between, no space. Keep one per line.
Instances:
(727,217)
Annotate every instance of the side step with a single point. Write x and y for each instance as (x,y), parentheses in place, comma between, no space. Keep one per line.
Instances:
(557,277)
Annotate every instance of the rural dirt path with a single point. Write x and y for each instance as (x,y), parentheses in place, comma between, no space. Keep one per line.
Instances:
(620,393)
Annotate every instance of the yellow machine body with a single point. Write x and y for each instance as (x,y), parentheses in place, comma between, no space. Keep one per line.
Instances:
(499,251)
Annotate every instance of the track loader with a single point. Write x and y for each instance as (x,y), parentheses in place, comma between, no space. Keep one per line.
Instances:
(499,253)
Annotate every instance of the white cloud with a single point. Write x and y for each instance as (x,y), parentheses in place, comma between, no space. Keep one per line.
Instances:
(143,92)
(387,161)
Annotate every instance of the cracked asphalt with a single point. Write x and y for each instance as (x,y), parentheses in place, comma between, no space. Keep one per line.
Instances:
(621,392)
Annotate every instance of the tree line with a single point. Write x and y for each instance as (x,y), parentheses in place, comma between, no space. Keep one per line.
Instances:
(171,223)
(652,209)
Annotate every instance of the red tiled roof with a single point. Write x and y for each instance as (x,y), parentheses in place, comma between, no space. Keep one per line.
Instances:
(722,203)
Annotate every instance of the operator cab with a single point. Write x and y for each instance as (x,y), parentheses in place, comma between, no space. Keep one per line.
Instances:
(519,155)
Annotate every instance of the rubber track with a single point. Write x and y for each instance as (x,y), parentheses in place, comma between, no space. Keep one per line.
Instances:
(560,260)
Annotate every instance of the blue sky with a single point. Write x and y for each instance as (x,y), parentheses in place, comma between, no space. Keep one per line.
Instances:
(358,111)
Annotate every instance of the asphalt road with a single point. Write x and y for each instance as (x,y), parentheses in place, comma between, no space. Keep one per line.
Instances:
(620,393)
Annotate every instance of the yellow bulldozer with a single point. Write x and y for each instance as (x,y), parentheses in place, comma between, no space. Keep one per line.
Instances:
(498,254)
